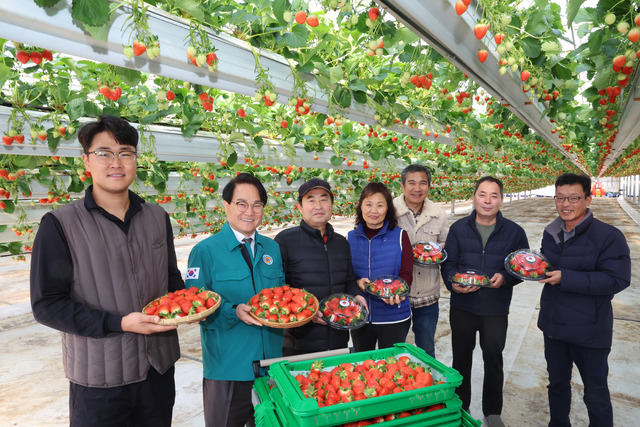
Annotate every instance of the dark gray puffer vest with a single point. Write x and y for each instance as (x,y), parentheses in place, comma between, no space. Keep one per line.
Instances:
(118,273)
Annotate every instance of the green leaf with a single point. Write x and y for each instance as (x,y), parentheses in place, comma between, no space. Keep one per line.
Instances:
(258,141)
(336,160)
(531,46)
(99,33)
(75,108)
(573,7)
(376,154)
(279,7)
(46,3)
(24,188)
(192,8)
(9,206)
(129,76)
(536,24)
(561,72)
(360,97)
(595,41)
(75,185)
(336,74)
(232,159)
(297,37)
(342,97)
(94,13)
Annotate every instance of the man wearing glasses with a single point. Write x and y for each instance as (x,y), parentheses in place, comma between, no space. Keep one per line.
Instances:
(237,263)
(317,259)
(95,263)
(591,264)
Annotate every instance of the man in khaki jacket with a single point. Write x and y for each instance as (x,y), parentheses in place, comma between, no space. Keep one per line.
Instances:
(423,221)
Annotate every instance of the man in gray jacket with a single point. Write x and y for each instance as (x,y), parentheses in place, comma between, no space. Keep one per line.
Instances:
(96,262)
(423,221)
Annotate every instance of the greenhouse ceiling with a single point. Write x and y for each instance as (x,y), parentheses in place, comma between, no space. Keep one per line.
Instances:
(347,91)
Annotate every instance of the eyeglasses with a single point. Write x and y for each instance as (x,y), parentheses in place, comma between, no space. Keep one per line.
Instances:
(105,157)
(243,206)
(573,199)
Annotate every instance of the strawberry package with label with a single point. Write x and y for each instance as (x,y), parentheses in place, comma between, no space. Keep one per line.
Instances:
(183,306)
(342,311)
(283,307)
(526,264)
(387,286)
(428,253)
(340,389)
(471,278)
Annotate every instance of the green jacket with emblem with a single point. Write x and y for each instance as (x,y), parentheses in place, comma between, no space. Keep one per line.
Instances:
(229,346)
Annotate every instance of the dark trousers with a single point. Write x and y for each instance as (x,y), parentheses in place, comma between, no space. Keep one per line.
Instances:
(594,369)
(227,403)
(146,403)
(385,335)
(493,335)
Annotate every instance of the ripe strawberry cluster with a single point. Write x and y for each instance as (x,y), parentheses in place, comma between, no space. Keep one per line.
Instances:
(207,101)
(53,198)
(302,18)
(181,303)
(11,137)
(282,304)
(269,97)
(422,81)
(349,382)
(301,106)
(35,56)
(112,92)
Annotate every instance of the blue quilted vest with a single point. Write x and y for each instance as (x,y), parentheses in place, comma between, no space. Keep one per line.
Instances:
(382,255)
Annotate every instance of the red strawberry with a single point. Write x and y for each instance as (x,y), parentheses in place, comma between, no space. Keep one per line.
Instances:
(301,17)
(467,2)
(284,124)
(211,58)
(36,57)
(8,140)
(480,30)
(242,113)
(634,34)
(461,7)
(42,135)
(46,54)
(138,48)
(499,38)
(19,138)
(312,21)
(170,95)
(23,56)
(524,75)
(619,61)
(105,91)
(207,106)
(374,13)
(483,54)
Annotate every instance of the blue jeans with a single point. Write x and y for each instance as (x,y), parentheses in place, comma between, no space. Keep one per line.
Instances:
(425,320)
(594,369)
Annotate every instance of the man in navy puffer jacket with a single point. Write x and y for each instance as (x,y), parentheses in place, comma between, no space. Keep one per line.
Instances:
(592,264)
(481,242)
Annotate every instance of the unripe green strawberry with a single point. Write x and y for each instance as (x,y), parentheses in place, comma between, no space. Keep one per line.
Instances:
(128,52)
(610,19)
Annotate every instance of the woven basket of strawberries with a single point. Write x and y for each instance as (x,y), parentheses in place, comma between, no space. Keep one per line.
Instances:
(283,307)
(183,306)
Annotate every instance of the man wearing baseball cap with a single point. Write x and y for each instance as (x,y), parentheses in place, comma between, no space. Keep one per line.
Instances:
(317,259)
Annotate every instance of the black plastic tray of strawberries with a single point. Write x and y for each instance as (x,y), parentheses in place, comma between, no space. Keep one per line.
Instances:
(402,385)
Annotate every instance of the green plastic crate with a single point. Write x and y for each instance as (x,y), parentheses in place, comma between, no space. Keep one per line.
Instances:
(305,412)
(266,416)
(469,421)
(261,386)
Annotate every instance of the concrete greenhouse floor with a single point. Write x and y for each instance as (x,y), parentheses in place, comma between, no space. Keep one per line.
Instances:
(34,392)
